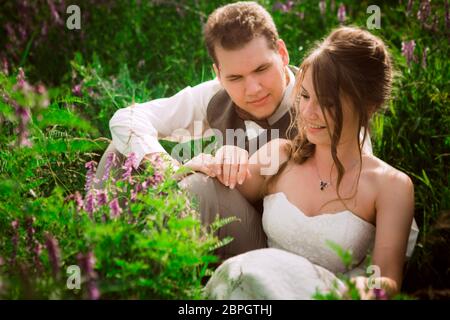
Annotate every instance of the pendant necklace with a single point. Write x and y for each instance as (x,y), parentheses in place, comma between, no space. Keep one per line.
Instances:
(323,184)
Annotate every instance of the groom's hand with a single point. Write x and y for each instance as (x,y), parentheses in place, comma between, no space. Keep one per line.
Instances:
(231,165)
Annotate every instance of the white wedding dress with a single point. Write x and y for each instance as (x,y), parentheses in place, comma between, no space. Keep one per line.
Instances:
(298,260)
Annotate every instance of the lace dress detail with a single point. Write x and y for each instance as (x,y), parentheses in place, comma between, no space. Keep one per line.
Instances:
(288,228)
(299,260)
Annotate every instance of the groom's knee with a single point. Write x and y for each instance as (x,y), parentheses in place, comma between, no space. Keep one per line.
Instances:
(203,188)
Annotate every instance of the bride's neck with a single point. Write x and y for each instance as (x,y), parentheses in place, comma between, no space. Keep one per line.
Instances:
(347,153)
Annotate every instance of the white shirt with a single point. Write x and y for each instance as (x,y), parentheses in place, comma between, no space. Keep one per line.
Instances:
(181,117)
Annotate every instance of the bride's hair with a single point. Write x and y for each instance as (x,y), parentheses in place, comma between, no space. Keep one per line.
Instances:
(350,61)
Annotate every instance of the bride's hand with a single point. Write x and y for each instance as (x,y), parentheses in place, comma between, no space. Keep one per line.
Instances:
(202,163)
(208,164)
(231,165)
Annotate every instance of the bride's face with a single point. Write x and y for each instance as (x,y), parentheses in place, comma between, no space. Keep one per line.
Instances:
(312,119)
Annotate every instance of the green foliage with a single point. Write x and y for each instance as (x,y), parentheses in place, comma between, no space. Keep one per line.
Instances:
(140,50)
(156,248)
(151,246)
(60,142)
(345,255)
(346,287)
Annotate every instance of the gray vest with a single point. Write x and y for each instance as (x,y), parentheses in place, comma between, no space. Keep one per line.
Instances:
(221,115)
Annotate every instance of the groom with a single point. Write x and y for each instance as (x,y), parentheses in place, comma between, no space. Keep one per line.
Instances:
(251,95)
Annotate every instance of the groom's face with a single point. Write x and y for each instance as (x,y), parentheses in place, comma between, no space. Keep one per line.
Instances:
(254,76)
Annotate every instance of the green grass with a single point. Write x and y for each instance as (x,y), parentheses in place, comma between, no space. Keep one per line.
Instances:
(129,52)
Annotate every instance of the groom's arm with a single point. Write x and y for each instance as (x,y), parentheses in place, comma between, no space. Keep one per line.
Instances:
(137,128)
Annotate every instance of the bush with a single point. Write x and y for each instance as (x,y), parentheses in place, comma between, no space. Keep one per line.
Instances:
(139,238)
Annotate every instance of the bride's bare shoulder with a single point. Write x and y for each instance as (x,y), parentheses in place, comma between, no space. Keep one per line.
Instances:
(279,149)
(387,177)
(279,145)
(271,156)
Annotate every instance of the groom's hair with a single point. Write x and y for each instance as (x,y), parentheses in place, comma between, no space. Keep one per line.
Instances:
(234,25)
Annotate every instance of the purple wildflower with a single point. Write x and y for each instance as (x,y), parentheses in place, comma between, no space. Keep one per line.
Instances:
(283,7)
(322,7)
(23,33)
(30,231)
(79,201)
(90,264)
(408,50)
(136,190)
(21,84)
(424,58)
(54,12)
(157,160)
(128,166)
(147,183)
(89,204)
(156,179)
(33,245)
(90,175)
(380,294)
(37,250)
(23,139)
(115,208)
(409,7)
(20,79)
(76,90)
(341,13)
(43,95)
(5,67)
(87,264)
(53,253)
(424,11)
(40,89)
(110,162)
(447,15)
(94,293)
(102,198)
(15,224)
(277,6)
(23,114)
(289,5)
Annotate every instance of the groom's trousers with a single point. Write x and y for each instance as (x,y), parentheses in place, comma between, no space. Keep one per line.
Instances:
(215,200)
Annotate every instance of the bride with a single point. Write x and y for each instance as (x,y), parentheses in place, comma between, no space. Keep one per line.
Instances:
(326,189)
